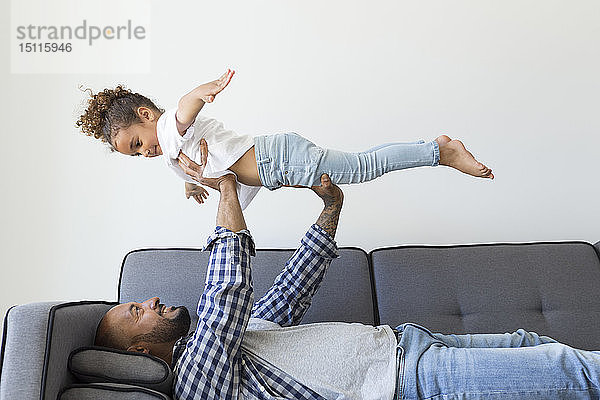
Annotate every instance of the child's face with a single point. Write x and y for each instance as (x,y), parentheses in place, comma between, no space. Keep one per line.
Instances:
(140,138)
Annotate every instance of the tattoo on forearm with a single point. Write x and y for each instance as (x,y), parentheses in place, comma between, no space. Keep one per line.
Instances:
(329,200)
(328,220)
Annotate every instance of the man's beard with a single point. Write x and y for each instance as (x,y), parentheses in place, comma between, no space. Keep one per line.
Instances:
(168,330)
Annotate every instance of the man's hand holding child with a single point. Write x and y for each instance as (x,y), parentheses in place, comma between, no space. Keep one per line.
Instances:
(195,171)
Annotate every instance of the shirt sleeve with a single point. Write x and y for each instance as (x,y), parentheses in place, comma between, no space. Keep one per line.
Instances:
(210,366)
(289,298)
(169,138)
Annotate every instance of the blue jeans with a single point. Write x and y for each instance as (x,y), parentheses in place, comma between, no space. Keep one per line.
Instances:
(290,159)
(519,365)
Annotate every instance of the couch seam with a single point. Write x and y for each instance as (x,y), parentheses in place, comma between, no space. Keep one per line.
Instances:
(451,246)
(376,316)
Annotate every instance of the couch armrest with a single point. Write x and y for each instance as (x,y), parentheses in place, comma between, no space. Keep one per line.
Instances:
(23,349)
(38,338)
(597,247)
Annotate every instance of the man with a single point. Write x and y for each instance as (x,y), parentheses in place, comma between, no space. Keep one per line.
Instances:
(242,349)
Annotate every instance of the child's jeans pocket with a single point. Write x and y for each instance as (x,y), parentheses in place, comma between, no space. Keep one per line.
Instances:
(299,151)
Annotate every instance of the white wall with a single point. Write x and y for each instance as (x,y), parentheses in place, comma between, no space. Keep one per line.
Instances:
(517,81)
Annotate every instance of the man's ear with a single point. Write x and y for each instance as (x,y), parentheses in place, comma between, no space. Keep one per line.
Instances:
(139,348)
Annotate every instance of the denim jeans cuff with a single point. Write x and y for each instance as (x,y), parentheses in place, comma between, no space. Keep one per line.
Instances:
(436,154)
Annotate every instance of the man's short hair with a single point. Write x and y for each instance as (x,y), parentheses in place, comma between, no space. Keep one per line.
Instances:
(110,335)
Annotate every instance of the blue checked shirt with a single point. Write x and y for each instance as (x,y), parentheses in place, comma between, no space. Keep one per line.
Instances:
(210,363)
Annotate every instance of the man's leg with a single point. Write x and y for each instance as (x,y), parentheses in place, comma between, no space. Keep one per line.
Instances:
(544,371)
(520,338)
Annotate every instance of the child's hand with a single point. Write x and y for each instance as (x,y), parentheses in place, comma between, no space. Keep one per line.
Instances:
(209,90)
(190,105)
(197,192)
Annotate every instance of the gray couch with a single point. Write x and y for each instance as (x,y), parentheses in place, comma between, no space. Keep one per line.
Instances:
(550,288)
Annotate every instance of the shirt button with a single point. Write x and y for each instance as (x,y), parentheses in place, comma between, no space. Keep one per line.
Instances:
(285,172)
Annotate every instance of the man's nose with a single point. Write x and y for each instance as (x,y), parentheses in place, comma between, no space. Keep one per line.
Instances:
(152,303)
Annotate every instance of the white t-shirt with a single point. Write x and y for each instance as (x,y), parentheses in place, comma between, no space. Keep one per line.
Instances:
(225,147)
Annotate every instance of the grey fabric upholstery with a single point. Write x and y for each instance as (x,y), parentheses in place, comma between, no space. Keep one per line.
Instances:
(549,288)
(99,364)
(70,326)
(177,276)
(39,338)
(106,391)
(24,349)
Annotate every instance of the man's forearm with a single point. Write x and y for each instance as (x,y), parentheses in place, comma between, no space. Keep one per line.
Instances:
(328,220)
(288,300)
(230,214)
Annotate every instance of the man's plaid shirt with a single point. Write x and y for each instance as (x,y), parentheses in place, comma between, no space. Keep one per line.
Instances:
(210,363)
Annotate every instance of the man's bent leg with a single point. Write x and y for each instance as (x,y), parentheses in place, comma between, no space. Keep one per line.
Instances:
(546,371)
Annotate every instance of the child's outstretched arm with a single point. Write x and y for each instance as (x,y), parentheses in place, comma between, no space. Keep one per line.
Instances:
(190,105)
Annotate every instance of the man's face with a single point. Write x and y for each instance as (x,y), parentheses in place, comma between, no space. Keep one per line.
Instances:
(158,323)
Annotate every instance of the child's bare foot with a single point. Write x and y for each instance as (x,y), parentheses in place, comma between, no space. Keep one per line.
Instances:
(454,154)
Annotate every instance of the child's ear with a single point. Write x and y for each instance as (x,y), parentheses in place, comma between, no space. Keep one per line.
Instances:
(145,113)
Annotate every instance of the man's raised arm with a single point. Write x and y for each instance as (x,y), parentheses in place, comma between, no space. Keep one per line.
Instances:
(289,298)
(209,368)
(333,198)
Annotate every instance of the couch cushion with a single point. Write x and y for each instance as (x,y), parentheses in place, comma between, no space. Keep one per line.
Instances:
(177,276)
(100,364)
(112,391)
(549,288)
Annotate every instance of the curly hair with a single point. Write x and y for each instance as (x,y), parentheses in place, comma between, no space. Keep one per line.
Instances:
(110,110)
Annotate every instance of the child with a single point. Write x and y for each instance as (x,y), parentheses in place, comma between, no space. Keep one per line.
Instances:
(132,124)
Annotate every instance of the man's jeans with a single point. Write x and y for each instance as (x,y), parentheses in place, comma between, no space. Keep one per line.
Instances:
(519,365)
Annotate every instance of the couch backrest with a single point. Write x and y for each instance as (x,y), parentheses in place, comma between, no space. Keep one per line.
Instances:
(549,288)
(177,276)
